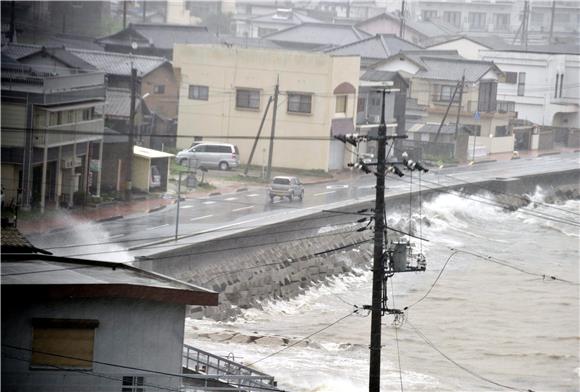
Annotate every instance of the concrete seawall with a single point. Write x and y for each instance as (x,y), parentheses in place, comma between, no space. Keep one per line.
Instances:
(281,260)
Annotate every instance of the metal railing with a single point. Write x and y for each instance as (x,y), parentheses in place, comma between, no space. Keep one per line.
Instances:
(227,371)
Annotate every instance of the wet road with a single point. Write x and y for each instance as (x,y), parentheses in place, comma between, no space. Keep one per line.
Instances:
(204,218)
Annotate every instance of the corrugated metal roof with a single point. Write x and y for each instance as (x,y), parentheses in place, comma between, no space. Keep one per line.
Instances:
(81,278)
(319,34)
(118,103)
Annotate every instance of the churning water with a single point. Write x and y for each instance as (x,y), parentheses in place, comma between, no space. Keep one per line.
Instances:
(502,324)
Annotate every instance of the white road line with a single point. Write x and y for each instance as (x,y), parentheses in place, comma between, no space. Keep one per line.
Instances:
(185,207)
(243,208)
(157,227)
(231,198)
(253,195)
(324,193)
(116,236)
(200,217)
(209,202)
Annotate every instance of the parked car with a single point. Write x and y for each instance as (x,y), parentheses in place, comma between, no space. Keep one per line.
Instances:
(210,156)
(289,187)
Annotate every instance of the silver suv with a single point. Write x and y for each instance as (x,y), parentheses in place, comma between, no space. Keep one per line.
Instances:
(289,187)
(210,156)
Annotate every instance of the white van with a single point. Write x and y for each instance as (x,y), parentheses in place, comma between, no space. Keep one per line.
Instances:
(208,155)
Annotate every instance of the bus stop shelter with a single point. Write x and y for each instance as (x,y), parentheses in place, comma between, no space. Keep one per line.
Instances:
(150,169)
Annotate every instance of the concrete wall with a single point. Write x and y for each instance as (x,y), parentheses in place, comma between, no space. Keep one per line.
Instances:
(131,333)
(279,261)
(224,69)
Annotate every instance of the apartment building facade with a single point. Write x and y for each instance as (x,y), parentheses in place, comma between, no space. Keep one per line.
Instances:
(51,131)
(224,93)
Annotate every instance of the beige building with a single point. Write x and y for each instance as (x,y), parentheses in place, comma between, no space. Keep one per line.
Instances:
(225,91)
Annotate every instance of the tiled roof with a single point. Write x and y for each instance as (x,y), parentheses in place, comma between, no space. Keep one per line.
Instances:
(380,46)
(161,36)
(432,128)
(247,42)
(380,76)
(13,241)
(427,28)
(109,62)
(21,51)
(118,103)
(319,34)
(454,69)
(71,42)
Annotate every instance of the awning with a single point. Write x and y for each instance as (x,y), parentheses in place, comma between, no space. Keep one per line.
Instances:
(149,153)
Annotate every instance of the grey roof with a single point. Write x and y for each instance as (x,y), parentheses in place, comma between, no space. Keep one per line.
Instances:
(118,103)
(109,62)
(319,34)
(378,47)
(454,69)
(70,278)
(427,28)
(381,76)
(71,42)
(292,19)
(161,36)
(490,42)
(432,128)
(61,54)
(247,42)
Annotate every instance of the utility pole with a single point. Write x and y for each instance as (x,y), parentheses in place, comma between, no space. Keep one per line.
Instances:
(177,209)
(525,25)
(378,267)
(257,137)
(273,132)
(552,21)
(124,13)
(12,21)
(129,175)
(402,28)
(459,105)
(144,17)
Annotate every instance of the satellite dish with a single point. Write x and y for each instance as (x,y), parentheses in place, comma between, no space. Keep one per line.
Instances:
(134,45)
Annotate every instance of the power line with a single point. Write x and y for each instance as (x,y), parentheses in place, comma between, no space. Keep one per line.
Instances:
(465,369)
(304,338)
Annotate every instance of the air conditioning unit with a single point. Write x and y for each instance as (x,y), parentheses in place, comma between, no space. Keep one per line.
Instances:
(69,163)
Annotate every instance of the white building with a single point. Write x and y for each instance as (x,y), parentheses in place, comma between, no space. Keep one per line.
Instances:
(542,83)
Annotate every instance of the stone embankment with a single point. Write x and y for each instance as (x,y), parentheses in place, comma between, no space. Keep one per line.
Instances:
(280,261)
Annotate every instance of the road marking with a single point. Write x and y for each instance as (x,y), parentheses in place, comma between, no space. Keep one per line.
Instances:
(344,186)
(157,227)
(324,193)
(209,202)
(243,208)
(253,195)
(200,217)
(231,198)
(116,236)
(185,207)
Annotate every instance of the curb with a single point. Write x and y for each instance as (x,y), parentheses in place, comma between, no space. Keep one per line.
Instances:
(156,209)
(545,154)
(109,219)
(241,189)
(486,161)
(215,194)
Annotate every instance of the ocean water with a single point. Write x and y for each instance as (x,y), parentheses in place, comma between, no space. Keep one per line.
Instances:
(504,327)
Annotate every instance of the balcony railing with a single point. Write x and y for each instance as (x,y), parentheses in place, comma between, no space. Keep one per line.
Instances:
(70,133)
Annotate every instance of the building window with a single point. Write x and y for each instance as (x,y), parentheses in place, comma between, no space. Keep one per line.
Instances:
(63,343)
(561,84)
(561,18)
(53,119)
(133,384)
(428,14)
(487,96)
(452,17)
(159,89)
(506,106)
(501,22)
(247,99)
(361,104)
(445,94)
(299,103)
(537,19)
(521,83)
(477,21)
(198,92)
(87,114)
(341,102)
(501,130)
(556,87)
(511,77)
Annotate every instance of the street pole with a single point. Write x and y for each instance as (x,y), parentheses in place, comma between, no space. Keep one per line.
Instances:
(378,270)
(273,132)
(459,105)
(124,13)
(552,22)
(402,27)
(178,201)
(129,178)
